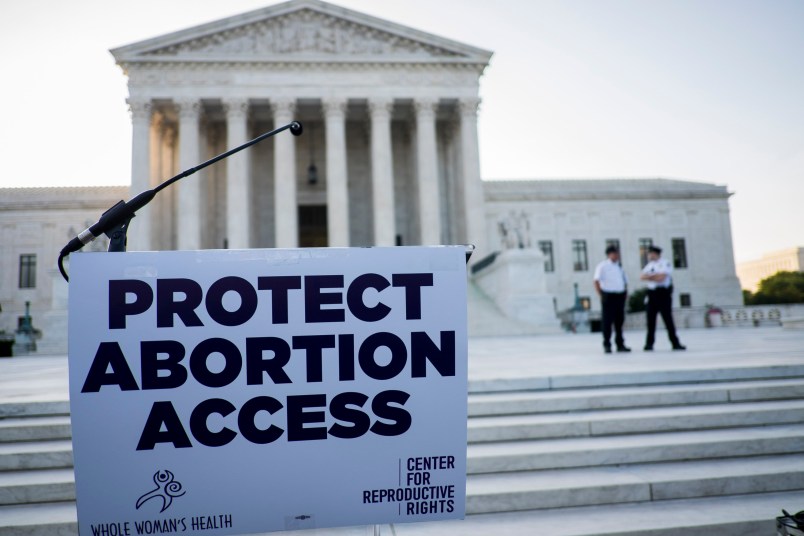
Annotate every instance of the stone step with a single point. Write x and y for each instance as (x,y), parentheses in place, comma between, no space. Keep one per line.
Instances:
(704,373)
(48,485)
(60,519)
(744,514)
(734,515)
(35,428)
(508,492)
(36,455)
(29,409)
(536,489)
(515,403)
(533,455)
(632,421)
(45,519)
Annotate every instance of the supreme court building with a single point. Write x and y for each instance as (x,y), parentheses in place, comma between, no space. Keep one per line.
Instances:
(389,156)
(389,153)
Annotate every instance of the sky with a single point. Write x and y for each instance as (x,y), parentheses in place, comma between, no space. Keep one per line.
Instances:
(702,90)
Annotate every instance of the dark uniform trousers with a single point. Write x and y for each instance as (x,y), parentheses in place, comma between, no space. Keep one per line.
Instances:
(660,300)
(613,305)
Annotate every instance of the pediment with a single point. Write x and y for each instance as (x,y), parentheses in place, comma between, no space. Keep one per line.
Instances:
(301,30)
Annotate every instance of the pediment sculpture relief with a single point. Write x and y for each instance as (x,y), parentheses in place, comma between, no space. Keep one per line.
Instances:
(303,32)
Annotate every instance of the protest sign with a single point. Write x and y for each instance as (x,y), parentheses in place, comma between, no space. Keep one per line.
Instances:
(231,392)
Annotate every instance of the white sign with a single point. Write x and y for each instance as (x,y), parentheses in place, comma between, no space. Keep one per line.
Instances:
(230,392)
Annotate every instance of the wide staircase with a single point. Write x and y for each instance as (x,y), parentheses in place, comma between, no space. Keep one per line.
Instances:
(701,452)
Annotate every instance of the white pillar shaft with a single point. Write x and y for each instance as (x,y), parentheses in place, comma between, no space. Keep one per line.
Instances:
(473,201)
(238,192)
(156,206)
(139,235)
(167,204)
(382,173)
(337,184)
(285,205)
(189,189)
(427,173)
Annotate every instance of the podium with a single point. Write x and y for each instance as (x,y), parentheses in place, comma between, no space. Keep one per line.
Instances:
(262,390)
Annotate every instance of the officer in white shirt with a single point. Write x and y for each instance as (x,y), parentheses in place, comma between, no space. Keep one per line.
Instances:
(657,273)
(611,285)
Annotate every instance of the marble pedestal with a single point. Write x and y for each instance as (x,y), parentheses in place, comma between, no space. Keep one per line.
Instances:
(515,282)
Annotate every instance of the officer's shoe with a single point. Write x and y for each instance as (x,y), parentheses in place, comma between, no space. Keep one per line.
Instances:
(679,347)
(607,349)
(648,348)
(623,349)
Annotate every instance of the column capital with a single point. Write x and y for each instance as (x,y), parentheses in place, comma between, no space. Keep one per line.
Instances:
(139,108)
(425,106)
(284,106)
(158,121)
(235,107)
(380,106)
(334,106)
(188,108)
(469,106)
(168,133)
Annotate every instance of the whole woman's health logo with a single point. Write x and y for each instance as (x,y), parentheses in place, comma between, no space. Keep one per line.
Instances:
(167,489)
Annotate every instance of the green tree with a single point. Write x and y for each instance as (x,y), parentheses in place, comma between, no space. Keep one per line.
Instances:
(636,300)
(781,287)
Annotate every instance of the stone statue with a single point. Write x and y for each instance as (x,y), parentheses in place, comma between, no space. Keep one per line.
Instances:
(514,230)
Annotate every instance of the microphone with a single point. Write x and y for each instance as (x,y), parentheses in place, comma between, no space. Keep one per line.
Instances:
(119,214)
(116,219)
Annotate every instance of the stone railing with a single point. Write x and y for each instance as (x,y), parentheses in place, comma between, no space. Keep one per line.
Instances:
(735,316)
(759,315)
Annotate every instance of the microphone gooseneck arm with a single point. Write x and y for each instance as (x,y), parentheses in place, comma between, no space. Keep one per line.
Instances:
(114,222)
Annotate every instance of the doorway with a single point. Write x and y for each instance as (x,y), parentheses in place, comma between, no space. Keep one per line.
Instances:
(313,226)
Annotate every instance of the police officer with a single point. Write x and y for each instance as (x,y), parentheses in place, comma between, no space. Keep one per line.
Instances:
(660,297)
(611,285)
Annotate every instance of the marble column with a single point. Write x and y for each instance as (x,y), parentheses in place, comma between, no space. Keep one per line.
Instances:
(286,208)
(382,172)
(139,235)
(337,185)
(155,206)
(167,208)
(473,199)
(427,172)
(238,191)
(189,189)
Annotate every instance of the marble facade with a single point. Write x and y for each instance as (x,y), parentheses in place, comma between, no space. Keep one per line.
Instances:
(390,117)
(686,219)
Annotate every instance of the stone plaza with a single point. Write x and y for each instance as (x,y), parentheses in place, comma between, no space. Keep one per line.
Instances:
(563,440)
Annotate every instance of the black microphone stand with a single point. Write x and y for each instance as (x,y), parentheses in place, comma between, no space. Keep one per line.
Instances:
(115,221)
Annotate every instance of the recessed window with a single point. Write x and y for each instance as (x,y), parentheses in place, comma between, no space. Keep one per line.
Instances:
(580,261)
(28,271)
(679,253)
(547,250)
(685,299)
(644,245)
